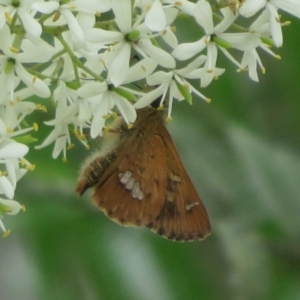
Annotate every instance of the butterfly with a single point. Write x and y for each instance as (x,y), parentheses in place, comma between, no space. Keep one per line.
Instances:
(140,180)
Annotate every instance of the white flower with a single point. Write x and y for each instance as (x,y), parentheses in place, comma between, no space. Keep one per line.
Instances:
(45,7)
(66,114)
(11,64)
(155,18)
(204,16)
(250,7)
(103,100)
(23,9)
(192,70)
(86,14)
(158,18)
(121,43)
(167,83)
(9,9)
(184,5)
(9,207)
(11,152)
(249,42)
(92,101)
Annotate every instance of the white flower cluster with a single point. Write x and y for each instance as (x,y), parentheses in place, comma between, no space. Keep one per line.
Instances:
(91,56)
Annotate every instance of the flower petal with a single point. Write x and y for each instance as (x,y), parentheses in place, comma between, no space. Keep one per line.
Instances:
(122,11)
(155,18)
(31,25)
(188,50)
(13,150)
(162,57)
(251,7)
(203,15)
(13,205)
(119,63)
(6,187)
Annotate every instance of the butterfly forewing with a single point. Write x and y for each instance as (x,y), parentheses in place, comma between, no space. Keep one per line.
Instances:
(116,200)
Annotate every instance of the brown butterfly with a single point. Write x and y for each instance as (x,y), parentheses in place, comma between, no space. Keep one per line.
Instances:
(140,180)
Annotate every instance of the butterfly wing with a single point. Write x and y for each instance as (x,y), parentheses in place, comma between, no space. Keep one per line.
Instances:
(116,199)
(166,200)
(183,216)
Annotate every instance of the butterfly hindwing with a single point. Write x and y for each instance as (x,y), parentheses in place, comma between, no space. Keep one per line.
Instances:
(183,216)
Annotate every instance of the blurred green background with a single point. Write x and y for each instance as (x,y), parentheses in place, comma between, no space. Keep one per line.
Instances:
(242,152)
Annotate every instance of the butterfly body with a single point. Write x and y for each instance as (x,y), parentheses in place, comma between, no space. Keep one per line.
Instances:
(142,182)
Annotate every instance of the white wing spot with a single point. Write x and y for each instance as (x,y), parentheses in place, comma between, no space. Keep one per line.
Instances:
(124,177)
(131,184)
(136,191)
(170,196)
(190,206)
(174,177)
